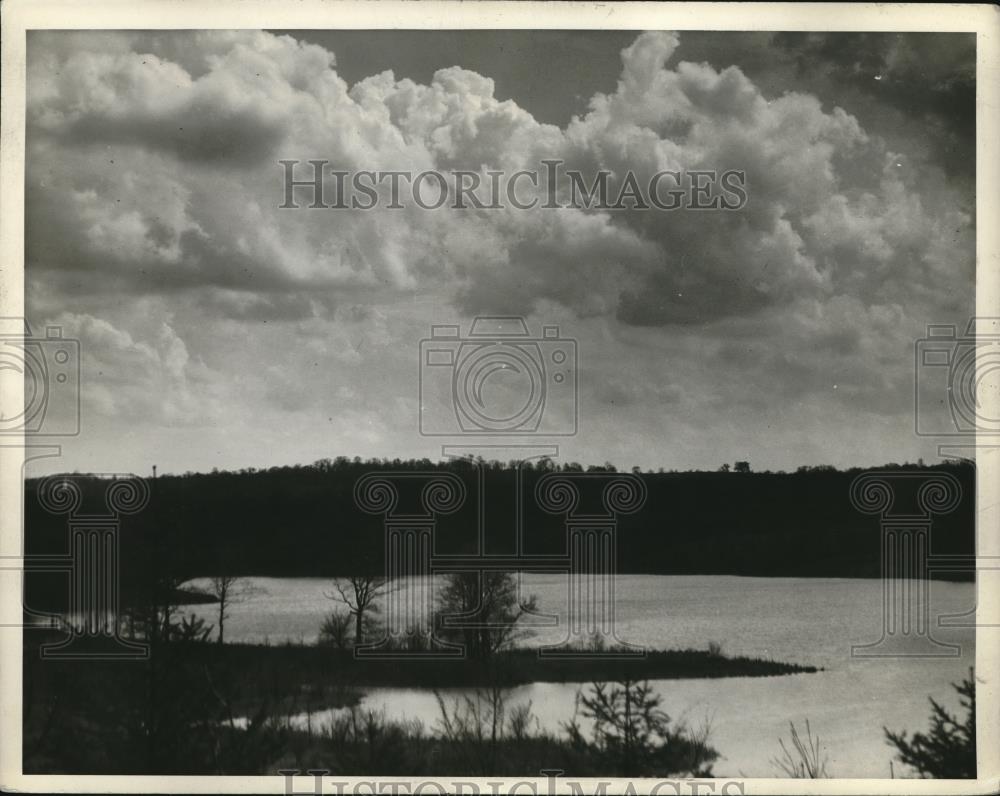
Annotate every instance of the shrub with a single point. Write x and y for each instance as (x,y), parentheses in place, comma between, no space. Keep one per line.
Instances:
(336,631)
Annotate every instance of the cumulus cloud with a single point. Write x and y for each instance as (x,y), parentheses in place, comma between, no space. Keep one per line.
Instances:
(151,381)
(152,175)
(928,77)
(179,184)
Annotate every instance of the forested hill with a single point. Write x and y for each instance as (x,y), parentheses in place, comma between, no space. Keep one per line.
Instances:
(304,520)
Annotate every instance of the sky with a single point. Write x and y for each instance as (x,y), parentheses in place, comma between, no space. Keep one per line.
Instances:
(218,330)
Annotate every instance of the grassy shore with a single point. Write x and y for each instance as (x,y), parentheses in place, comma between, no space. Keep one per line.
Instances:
(510,668)
(293,675)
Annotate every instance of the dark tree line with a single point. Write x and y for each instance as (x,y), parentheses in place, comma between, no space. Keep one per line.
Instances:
(303,521)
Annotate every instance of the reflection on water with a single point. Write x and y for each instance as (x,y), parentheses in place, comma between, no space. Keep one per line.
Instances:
(811,621)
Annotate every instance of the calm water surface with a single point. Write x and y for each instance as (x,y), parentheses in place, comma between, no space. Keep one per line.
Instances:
(802,620)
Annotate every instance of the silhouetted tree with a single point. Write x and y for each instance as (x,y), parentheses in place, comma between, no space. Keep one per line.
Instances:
(230,590)
(359,593)
(632,736)
(336,630)
(190,630)
(948,750)
(487,604)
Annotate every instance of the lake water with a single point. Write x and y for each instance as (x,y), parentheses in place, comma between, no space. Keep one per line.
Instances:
(801,620)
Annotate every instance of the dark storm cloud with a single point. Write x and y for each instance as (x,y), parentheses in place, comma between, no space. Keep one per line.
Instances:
(199,132)
(929,77)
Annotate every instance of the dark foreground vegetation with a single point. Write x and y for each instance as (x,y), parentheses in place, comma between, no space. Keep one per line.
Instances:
(196,706)
(619,729)
(948,749)
(199,705)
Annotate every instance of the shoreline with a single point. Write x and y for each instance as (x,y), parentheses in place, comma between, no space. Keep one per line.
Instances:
(301,676)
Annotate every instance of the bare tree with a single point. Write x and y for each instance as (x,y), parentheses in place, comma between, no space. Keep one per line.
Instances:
(476,724)
(359,593)
(231,590)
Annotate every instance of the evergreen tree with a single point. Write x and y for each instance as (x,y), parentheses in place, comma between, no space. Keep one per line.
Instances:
(948,750)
